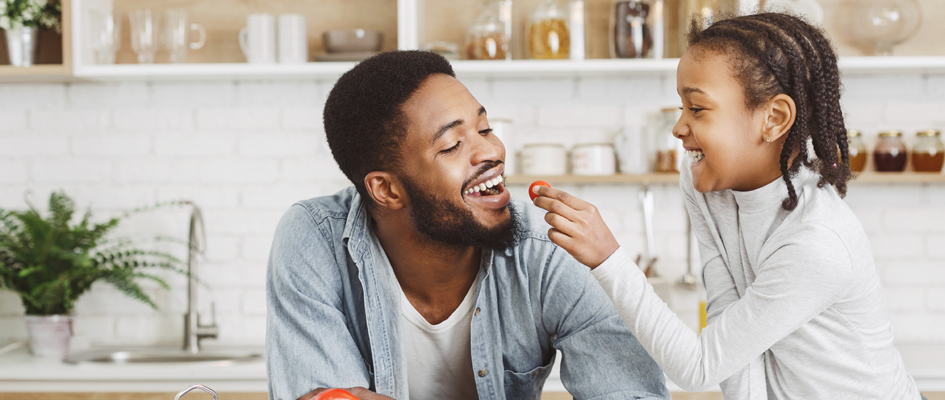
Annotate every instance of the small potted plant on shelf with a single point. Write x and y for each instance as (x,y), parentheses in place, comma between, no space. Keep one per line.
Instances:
(22,19)
(50,264)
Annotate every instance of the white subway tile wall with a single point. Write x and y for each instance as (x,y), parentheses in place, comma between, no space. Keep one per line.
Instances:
(245,151)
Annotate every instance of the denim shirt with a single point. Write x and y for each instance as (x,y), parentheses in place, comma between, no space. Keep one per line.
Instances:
(334,306)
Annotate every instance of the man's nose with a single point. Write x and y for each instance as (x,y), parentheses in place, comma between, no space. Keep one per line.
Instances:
(487,148)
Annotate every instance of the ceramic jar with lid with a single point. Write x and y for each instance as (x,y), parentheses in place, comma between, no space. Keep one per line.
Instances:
(593,159)
(858,152)
(928,154)
(544,159)
(890,152)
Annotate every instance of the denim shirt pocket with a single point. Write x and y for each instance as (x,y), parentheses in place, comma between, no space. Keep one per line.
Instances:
(526,385)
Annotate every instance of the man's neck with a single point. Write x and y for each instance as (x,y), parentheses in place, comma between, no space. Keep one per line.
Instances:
(434,277)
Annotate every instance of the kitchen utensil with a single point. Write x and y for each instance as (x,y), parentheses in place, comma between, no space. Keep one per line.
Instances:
(544,159)
(145,35)
(352,40)
(688,280)
(258,39)
(177,38)
(104,36)
(195,387)
(593,159)
(882,24)
(549,36)
(646,199)
(293,39)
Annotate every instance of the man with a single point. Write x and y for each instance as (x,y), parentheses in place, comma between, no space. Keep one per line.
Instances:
(423,281)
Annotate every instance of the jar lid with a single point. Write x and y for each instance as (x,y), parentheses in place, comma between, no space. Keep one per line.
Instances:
(928,133)
(853,133)
(544,145)
(890,133)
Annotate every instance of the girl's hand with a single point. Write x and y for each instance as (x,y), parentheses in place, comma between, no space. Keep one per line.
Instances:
(576,226)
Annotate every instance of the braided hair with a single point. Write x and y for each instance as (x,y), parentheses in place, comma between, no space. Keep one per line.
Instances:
(776,54)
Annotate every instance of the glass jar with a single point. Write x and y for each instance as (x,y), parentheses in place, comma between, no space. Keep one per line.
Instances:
(636,29)
(703,12)
(928,154)
(890,152)
(668,147)
(857,150)
(549,36)
(487,38)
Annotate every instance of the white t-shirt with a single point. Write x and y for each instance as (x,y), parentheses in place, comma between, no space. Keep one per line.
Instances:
(439,363)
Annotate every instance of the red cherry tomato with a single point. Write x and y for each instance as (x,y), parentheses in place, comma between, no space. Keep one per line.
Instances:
(335,394)
(531,188)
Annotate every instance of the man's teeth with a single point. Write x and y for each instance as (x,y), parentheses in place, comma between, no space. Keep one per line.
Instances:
(695,155)
(485,185)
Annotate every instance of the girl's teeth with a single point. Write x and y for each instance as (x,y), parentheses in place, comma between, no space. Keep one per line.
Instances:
(482,186)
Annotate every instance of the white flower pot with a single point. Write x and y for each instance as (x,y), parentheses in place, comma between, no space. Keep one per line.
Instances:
(49,335)
(21,44)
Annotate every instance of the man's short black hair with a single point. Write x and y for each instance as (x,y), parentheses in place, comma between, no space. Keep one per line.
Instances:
(364,120)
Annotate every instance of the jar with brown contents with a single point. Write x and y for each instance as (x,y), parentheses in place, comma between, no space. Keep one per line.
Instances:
(890,152)
(548,33)
(857,151)
(487,38)
(928,155)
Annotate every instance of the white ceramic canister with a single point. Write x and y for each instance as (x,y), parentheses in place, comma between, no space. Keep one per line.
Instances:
(593,159)
(544,159)
(502,129)
(632,151)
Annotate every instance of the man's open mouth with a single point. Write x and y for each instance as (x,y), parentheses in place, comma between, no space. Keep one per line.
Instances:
(490,187)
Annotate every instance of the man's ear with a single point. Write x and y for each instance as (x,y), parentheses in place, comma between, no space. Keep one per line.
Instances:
(385,190)
(780,114)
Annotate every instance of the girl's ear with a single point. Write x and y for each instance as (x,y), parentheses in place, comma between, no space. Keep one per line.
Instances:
(385,190)
(781,112)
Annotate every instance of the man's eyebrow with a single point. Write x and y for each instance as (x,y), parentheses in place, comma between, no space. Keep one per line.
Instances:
(451,125)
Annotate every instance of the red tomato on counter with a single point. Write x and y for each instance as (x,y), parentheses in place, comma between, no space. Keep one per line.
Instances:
(531,188)
(336,394)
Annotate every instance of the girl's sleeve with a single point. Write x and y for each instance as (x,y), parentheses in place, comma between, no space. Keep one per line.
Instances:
(807,272)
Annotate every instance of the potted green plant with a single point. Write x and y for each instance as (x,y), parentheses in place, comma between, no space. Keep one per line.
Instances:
(50,262)
(21,19)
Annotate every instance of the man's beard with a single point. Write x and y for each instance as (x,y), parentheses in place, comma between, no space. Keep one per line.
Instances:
(445,223)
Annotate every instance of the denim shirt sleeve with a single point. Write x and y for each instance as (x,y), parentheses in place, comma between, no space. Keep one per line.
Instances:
(304,285)
(601,359)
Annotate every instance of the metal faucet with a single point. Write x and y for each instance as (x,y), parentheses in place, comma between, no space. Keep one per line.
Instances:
(197,244)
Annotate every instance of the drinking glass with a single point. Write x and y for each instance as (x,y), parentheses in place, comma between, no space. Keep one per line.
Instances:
(104,36)
(177,35)
(145,35)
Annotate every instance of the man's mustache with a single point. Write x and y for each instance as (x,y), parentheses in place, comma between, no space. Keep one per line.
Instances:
(486,166)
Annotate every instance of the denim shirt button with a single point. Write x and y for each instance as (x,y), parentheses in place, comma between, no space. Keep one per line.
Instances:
(483,373)
(477,311)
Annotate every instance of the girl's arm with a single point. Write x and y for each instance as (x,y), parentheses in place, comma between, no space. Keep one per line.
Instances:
(805,273)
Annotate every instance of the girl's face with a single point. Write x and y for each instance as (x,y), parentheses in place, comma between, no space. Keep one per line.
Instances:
(725,141)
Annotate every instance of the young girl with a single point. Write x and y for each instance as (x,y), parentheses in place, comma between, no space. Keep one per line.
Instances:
(795,307)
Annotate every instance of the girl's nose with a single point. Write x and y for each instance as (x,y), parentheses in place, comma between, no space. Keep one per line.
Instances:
(680,130)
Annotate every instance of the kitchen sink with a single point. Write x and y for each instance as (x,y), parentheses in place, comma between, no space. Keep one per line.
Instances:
(162,356)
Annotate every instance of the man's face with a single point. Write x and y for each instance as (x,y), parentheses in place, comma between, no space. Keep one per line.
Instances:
(449,150)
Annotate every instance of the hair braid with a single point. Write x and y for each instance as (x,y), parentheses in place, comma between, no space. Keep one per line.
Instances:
(776,54)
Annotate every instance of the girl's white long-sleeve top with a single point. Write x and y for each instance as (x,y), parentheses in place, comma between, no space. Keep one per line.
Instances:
(795,307)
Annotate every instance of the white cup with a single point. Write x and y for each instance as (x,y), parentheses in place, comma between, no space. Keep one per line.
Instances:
(258,39)
(593,159)
(544,159)
(293,39)
(177,35)
(502,129)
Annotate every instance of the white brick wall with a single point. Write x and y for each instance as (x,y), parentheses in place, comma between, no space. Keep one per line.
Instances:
(245,151)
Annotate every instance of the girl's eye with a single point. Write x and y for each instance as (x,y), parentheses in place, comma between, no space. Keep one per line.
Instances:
(451,149)
(695,110)
(485,132)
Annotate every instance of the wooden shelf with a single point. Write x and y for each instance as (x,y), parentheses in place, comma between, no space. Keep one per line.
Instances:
(220,71)
(673,178)
(35,73)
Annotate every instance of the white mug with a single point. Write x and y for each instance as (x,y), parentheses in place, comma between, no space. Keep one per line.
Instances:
(293,39)
(258,39)
(544,159)
(593,159)
(502,129)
